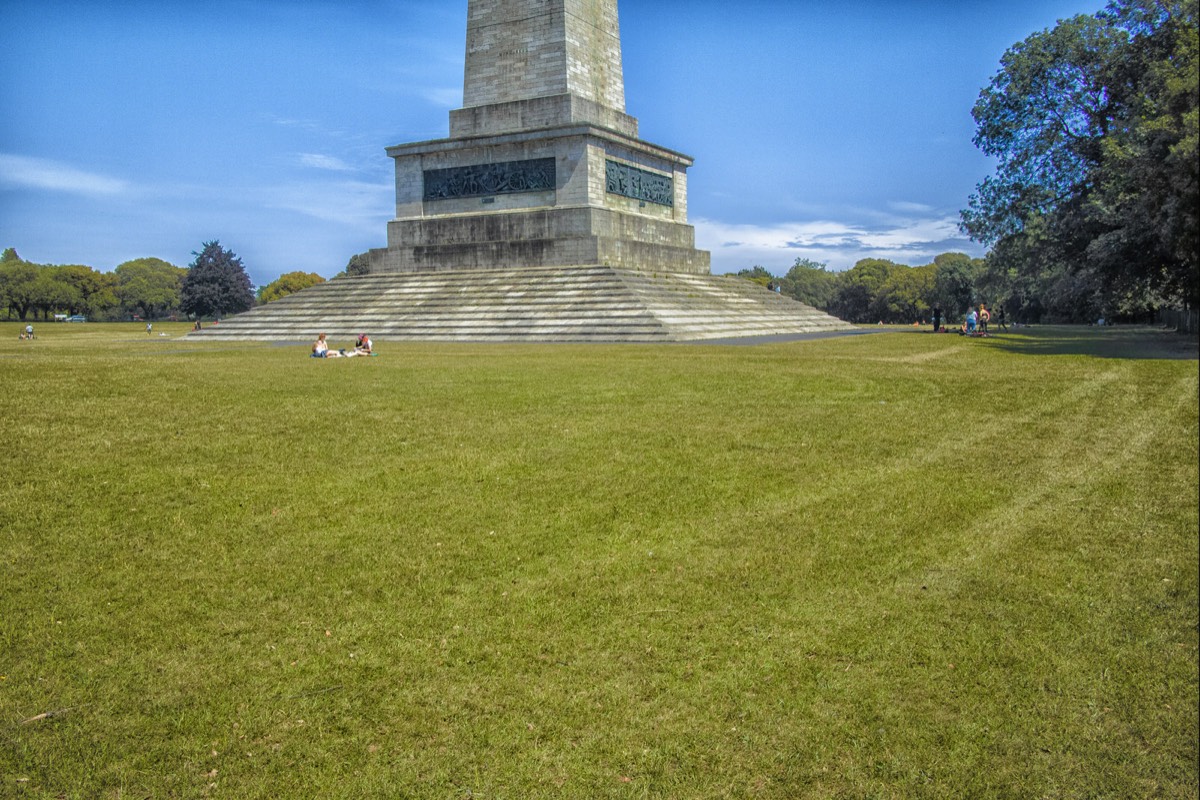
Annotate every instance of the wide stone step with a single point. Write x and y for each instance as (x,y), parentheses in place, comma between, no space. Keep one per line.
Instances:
(573,304)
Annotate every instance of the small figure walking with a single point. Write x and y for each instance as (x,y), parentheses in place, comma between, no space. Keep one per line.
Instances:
(1000,325)
(149,327)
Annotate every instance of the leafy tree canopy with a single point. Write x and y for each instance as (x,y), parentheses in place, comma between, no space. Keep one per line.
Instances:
(149,286)
(359,264)
(216,283)
(811,282)
(757,274)
(1093,124)
(288,283)
(18,285)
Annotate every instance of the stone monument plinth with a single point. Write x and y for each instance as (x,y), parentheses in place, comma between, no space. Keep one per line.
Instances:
(543,167)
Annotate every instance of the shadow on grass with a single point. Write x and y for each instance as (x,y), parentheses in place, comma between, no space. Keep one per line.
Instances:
(1135,342)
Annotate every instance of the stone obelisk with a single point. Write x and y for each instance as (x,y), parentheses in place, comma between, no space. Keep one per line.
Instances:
(543,166)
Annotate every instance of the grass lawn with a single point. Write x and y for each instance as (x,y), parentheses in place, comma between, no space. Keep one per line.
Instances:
(890,566)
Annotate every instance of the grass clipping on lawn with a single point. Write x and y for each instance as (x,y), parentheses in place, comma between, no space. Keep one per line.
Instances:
(883,566)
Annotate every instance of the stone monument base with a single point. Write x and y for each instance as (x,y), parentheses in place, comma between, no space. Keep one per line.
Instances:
(553,197)
(555,237)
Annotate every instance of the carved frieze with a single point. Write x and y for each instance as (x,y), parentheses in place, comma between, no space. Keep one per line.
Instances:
(639,184)
(481,180)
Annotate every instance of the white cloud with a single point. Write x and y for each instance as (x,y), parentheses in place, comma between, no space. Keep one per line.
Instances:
(331,163)
(913,241)
(905,207)
(26,172)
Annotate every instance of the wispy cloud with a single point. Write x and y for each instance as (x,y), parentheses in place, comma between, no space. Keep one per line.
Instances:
(443,98)
(912,240)
(330,163)
(358,205)
(25,172)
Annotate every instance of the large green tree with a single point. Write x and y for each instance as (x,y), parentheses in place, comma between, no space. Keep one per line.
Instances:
(18,284)
(87,290)
(1093,124)
(216,284)
(811,282)
(905,295)
(860,285)
(149,287)
(954,283)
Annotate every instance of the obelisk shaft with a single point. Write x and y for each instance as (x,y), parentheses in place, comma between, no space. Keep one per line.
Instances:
(524,49)
(540,63)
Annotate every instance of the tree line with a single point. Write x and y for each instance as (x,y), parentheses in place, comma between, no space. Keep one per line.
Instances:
(878,290)
(215,283)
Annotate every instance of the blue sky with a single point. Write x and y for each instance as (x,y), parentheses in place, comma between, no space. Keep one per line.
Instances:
(830,131)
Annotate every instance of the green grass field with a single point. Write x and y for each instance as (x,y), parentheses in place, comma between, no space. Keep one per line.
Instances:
(890,566)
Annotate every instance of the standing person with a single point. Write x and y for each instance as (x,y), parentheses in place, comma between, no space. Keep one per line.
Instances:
(984,317)
(937,318)
(971,320)
(28,331)
(149,327)
(1000,319)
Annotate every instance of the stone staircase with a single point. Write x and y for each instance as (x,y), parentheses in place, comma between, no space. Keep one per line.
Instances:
(536,304)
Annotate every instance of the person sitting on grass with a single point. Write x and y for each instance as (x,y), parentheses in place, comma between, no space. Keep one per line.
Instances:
(320,349)
(362,346)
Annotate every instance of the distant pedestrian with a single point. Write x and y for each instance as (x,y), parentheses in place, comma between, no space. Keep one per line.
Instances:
(984,317)
(149,327)
(28,331)
(1000,320)
(971,320)
(937,318)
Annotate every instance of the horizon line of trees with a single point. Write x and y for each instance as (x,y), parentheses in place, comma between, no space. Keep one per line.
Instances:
(878,290)
(213,284)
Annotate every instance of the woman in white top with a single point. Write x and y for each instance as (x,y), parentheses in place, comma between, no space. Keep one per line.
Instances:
(320,348)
